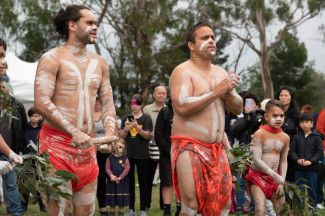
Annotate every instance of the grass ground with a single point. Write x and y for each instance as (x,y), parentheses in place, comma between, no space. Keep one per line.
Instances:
(33,209)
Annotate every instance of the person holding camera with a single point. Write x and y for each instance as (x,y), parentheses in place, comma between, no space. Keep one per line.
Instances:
(245,126)
(242,129)
(136,130)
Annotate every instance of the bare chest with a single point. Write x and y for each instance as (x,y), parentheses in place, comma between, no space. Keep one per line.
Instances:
(272,146)
(74,75)
(204,83)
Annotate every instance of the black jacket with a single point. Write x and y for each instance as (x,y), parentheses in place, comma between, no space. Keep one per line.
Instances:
(163,129)
(31,134)
(17,127)
(310,148)
(244,127)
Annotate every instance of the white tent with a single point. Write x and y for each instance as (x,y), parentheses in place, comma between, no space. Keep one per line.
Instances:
(22,76)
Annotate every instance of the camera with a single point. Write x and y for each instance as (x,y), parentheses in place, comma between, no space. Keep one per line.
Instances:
(130,118)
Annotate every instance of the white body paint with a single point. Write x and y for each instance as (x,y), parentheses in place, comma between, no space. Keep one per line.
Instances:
(197,127)
(205,43)
(90,70)
(81,107)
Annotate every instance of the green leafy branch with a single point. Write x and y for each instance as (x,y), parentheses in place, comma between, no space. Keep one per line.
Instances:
(34,177)
(241,159)
(297,200)
(5,106)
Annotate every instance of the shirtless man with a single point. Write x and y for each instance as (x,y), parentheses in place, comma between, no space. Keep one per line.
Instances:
(67,81)
(200,91)
(270,146)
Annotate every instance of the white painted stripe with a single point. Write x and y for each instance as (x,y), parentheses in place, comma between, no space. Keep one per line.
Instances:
(214,122)
(81,106)
(90,70)
(197,127)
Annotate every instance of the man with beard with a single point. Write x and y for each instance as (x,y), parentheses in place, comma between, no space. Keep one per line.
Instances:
(200,92)
(67,81)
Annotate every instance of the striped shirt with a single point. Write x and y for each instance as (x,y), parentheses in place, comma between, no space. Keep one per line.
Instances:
(153,111)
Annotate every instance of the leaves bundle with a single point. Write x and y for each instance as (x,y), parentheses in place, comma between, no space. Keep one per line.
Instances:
(241,159)
(6,109)
(34,177)
(297,200)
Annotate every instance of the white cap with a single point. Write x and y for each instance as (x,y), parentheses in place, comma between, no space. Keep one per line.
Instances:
(263,103)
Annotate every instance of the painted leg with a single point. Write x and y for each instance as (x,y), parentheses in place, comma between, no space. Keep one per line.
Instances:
(84,200)
(278,202)
(259,200)
(59,207)
(186,185)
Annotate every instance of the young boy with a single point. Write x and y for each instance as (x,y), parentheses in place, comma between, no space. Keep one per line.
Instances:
(31,135)
(306,149)
(270,146)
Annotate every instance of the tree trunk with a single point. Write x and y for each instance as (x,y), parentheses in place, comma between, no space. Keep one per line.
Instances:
(264,52)
(266,76)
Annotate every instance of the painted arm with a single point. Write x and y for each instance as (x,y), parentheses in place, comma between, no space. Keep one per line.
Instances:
(225,142)
(234,102)
(256,149)
(105,94)
(283,157)
(44,86)
(181,90)
(126,169)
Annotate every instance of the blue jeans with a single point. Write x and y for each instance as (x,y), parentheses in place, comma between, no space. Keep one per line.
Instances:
(240,192)
(301,176)
(10,190)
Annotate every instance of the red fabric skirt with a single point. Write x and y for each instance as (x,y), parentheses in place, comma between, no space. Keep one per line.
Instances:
(212,176)
(263,181)
(63,156)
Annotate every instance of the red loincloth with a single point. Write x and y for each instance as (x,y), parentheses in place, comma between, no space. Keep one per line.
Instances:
(63,156)
(211,171)
(263,181)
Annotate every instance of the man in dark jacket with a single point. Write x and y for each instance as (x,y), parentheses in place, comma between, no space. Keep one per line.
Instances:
(12,131)
(306,149)
(162,137)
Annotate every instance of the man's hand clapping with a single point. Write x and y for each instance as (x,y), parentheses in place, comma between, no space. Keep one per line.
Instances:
(227,84)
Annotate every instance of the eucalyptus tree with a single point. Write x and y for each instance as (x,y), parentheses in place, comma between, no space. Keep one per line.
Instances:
(251,22)
(27,26)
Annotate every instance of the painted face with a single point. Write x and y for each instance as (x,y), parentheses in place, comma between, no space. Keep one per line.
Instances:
(275,117)
(87,27)
(285,97)
(160,94)
(135,105)
(306,125)
(205,41)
